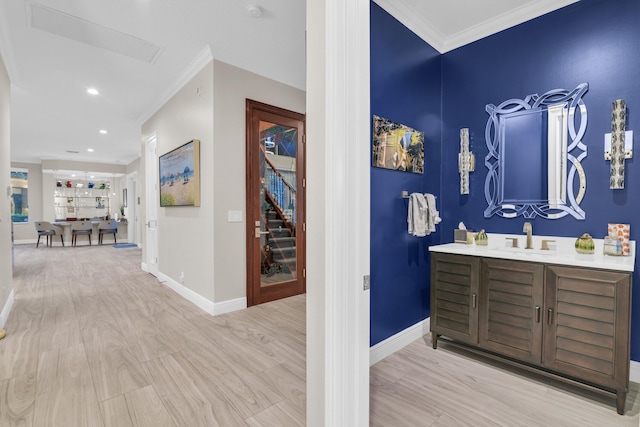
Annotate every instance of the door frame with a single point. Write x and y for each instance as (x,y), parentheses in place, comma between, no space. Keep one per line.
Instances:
(152,203)
(254,294)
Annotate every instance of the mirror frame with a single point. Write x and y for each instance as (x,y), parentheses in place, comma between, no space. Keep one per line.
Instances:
(576,151)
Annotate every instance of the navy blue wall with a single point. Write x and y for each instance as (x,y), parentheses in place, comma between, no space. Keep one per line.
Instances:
(405,88)
(593,41)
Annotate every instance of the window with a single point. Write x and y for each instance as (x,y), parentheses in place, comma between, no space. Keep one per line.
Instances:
(19,196)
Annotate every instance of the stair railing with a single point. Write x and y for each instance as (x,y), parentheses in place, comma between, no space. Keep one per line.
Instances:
(283,194)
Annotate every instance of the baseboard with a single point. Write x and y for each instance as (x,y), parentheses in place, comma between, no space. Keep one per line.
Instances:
(229,306)
(187,293)
(4,315)
(634,372)
(398,341)
(200,301)
(25,242)
(143,266)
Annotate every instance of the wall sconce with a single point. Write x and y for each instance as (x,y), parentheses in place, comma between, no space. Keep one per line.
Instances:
(618,145)
(466,161)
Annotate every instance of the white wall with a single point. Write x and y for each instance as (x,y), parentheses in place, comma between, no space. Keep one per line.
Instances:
(185,234)
(232,86)
(6,271)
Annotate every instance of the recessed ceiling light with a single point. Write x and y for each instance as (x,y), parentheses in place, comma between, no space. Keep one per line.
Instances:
(93,91)
(102,131)
(73,175)
(92,176)
(90,150)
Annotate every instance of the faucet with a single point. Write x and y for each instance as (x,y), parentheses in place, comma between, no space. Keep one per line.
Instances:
(528,229)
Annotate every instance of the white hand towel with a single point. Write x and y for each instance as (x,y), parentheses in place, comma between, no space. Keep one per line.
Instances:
(417,215)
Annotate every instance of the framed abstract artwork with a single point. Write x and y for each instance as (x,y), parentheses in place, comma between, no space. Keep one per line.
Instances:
(396,146)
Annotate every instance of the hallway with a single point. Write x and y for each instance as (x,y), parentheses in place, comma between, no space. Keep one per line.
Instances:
(93,340)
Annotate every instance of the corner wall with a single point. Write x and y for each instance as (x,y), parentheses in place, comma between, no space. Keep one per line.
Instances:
(185,234)
(6,269)
(405,88)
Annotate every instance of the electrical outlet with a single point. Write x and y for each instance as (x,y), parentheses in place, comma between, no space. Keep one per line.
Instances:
(182,277)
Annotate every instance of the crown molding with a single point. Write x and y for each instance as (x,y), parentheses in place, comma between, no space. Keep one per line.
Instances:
(410,18)
(197,64)
(503,21)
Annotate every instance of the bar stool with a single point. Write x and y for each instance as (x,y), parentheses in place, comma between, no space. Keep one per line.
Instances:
(45,228)
(82,228)
(107,227)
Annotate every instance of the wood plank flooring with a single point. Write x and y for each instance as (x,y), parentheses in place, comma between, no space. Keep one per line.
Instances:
(94,341)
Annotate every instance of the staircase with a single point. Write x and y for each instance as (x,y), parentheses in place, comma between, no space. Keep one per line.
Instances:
(279,252)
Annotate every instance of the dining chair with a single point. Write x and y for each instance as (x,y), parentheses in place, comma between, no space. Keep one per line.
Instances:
(81,228)
(107,227)
(45,228)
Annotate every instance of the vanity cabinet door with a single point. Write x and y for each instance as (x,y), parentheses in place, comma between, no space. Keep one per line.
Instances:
(511,299)
(454,297)
(586,325)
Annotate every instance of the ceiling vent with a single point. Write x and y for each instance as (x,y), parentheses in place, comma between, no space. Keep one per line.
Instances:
(74,28)
(73,152)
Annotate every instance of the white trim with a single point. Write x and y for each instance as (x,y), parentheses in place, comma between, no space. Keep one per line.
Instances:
(229,306)
(26,242)
(143,265)
(418,24)
(4,315)
(398,341)
(210,307)
(503,21)
(338,218)
(187,293)
(414,21)
(407,336)
(197,64)
(634,371)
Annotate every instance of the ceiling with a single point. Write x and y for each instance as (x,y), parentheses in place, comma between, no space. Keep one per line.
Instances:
(137,53)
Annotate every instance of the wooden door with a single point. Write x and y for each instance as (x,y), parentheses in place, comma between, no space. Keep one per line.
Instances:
(454,297)
(510,317)
(275,179)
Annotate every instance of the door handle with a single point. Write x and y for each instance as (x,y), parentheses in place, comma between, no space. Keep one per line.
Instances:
(549,316)
(537,314)
(259,233)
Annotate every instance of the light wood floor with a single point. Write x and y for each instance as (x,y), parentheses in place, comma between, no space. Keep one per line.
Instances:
(94,341)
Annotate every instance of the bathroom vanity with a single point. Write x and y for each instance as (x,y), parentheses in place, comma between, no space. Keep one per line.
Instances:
(556,312)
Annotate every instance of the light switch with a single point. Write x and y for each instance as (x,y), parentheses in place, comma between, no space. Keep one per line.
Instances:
(235,216)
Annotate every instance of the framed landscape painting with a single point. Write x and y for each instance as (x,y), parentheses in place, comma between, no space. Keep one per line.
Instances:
(396,146)
(179,174)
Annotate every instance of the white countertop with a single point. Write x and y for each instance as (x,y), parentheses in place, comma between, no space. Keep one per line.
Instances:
(565,254)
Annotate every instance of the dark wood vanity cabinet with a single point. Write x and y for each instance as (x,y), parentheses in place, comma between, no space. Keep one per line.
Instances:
(568,322)
(454,297)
